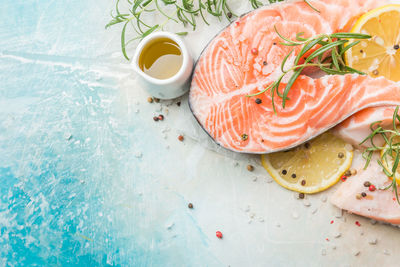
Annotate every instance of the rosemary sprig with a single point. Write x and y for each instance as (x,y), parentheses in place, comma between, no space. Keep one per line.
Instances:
(327,53)
(390,151)
(185,12)
(135,16)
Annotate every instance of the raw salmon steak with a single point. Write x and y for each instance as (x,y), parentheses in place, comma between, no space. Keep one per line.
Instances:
(245,58)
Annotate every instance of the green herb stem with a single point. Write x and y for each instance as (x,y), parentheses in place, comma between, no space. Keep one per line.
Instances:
(390,152)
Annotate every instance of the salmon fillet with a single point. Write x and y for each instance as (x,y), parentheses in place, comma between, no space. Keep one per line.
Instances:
(356,128)
(228,71)
(380,205)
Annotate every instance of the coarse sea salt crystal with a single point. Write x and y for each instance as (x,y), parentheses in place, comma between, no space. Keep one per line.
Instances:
(337,235)
(373,241)
(295,215)
(338,213)
(68,136)
(323,252)
(306,203)
(314,211)
(324,198)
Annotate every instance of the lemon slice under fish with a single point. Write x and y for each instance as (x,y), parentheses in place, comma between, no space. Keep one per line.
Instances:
(380,55)
(311,167)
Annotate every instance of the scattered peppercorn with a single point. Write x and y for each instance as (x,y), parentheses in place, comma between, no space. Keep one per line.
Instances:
(284,172)
(161,117)
(294,175)
(258,101)
(340,155)
(229,15)
(307,145)
(301,195)
(265,63)
(396,47)
(375,72)
(218,234)
(363,194)
(178,103)
(372,188)
(348,173)
(343,178)
(254,51)
(190,206)
(361,51)
(250,168)
(358,223)
(181,138)
(332,222)
(358,196)
(150,99)
(156,119)
(157,100)
(353,172)
(367,184)
(303,182)
(244,137)
(274,43)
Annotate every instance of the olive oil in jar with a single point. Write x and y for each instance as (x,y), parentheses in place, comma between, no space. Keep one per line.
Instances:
(161,58)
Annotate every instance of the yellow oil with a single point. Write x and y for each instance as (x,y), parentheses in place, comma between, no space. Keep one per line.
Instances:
(161,58)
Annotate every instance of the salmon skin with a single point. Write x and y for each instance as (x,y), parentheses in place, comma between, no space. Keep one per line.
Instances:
(246,57)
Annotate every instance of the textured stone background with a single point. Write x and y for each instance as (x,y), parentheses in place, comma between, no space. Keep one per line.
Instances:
(88,178)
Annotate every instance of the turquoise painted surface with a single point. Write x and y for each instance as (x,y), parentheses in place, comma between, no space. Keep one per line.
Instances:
(73,190)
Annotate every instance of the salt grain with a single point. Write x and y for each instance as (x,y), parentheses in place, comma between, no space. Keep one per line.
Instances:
(356,252)
(295,215)
(337,235)
(138,154)
(386,252)
(339,213)
(373,241)
(68,136)
(324,198)
(323,252)
(314,211)
(306,203)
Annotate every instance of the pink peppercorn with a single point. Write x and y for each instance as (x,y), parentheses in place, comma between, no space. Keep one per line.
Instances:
(218,234)
(372,188)
(254,51)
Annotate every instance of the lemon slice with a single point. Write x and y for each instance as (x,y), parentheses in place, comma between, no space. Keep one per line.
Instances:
(380,55)
(311,167)
(388,161)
